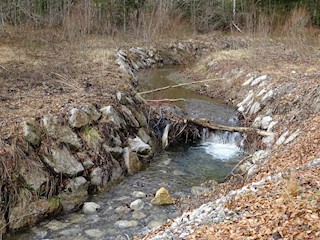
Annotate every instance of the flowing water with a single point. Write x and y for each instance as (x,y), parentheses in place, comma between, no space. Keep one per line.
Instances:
(179,169)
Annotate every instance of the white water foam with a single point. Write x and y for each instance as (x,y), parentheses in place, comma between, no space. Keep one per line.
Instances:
(223,145)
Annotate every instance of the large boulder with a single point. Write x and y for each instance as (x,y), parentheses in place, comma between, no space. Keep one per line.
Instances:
(74,194)
(62,161)
(62,133)
(163,197)
(132,161)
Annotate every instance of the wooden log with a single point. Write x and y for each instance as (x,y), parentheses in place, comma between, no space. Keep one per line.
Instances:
(215,126)
(179,85)
(167,100)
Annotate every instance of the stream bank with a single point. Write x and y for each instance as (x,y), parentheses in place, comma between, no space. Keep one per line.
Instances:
(60,159)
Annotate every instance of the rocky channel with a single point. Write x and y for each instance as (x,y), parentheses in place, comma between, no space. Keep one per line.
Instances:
(66,158)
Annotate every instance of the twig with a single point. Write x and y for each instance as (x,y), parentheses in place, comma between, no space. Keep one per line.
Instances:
(233,23)
(178,85)
(167,100)
(239,163)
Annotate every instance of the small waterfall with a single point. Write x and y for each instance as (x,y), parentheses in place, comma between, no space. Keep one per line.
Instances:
(222,145)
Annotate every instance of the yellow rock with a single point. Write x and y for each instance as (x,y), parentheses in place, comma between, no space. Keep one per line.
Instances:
(162,197)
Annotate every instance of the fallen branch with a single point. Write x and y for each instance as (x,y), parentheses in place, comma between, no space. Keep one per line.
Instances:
(178,85)
(167,100)
(165,134)
(239,163)
(235,25)
(214,126)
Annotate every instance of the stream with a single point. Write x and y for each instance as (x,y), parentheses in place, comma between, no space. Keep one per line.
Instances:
(181,169)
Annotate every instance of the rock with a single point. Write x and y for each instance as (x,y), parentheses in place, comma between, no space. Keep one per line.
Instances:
(138,194)
(35,177)
(265,122)
(267,97)
(132,161)
(112,116)
(139,116)
(257,122)
(140,99)
(74,194)
(59,132)
(94,233)
(116,171)
(62,161)
(27,213)
(259,80)
(179,173)
(88,164)
(138,215)
(116,140)
(313,163)
(99,177)
(197,190)
(92,113)
(259,157)
(269,140)
(263,91)
(246,99)
(31,132)
(55,225)
(90,207)
(282,138)
(70,232)
(116,152)
(126,224)
(142,134)
(271,125)
(247,82)
(78,118)
(138,146)
(137,205)
(245,167)
(121,98)
(155,224)
(255,108)
(292,136)
(163,197)
(129,116)
(122,209)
